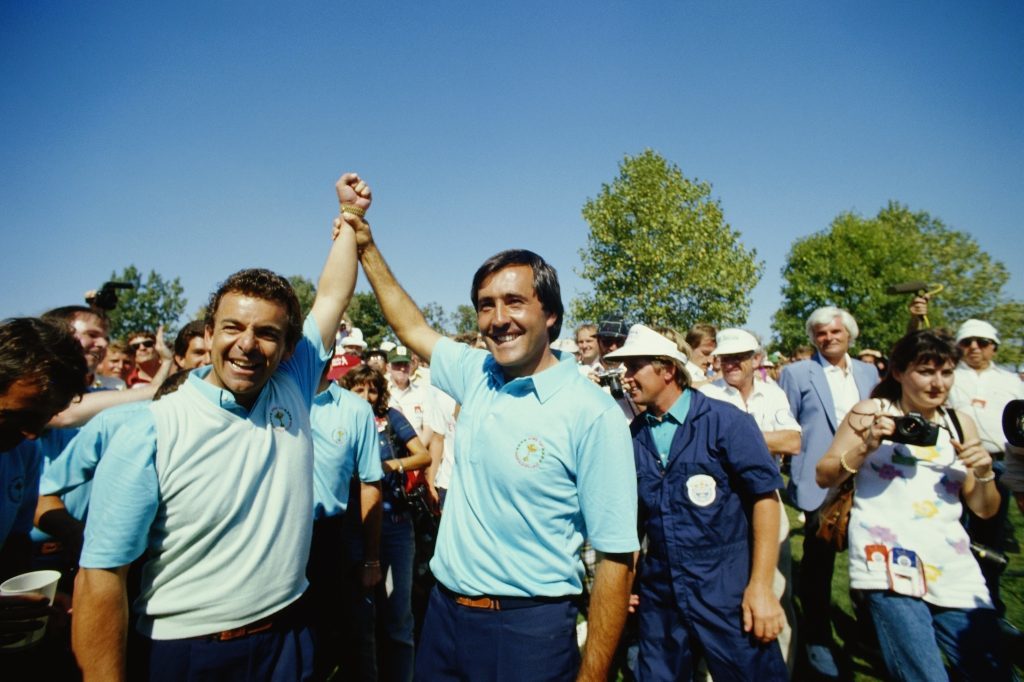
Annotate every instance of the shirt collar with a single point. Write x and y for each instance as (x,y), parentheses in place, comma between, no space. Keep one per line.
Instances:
(545,383)
(677,413)
(329,394)
(217,396)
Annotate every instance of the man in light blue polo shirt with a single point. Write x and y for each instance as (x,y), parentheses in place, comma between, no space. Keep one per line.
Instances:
(542,461)
(216,482)
(344,443)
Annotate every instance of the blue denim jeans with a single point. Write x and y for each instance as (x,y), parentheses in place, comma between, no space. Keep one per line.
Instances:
(397,551)
(914,634)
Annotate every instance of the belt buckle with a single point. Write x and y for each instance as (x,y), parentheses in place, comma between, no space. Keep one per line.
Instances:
(479,603)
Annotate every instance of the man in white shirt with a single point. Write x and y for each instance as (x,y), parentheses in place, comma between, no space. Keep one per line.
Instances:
(739,355)
(982,389)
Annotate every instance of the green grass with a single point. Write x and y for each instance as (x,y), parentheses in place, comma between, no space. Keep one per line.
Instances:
(858,663)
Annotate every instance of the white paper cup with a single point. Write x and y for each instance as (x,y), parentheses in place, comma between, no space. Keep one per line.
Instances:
(37,582)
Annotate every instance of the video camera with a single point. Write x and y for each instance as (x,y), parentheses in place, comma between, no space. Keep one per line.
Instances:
(1013,423)
(106,297)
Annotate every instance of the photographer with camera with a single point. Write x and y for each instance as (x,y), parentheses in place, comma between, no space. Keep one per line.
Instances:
(913,461)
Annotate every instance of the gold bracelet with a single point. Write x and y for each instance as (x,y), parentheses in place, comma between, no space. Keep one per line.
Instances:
(352,208)
(846,467)
(985,479)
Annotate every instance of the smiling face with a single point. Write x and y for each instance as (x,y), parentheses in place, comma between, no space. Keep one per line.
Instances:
(513,322)
(832,340)
(925,386)
(117,363)
(586,341)
(702,353)
(738,369)
(91,332)
(247,343)
(651,384)
(144,348)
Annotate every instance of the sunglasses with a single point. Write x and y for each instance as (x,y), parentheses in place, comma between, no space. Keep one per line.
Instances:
(982,343)
(148,343)
(735,357)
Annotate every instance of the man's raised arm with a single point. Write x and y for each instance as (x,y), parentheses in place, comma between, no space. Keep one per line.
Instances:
(338,278)
(399,309)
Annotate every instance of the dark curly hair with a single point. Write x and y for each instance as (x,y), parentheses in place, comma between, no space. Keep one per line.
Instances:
(364,374)
(44,351)
(264,284)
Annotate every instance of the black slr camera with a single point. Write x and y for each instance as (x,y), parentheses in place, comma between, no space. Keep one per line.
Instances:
(913,429)
(106,297)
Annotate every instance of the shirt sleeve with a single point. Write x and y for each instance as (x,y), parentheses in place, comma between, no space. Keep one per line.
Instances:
(306,364)
(76,464)
(404,431)
(31,461)
(748,458)
(368,448)
(454,365)
(606,484)
(125,497)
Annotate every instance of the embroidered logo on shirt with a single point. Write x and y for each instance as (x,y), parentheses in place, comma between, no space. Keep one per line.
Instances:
(701,489)
(530,452)
(280,418)
(338,436)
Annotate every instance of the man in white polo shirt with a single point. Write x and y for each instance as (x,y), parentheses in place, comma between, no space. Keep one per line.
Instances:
(216,483)
(982,389)
(739,355)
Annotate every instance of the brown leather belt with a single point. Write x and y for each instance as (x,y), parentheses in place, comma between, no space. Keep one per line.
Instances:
(490,603)
(285,618)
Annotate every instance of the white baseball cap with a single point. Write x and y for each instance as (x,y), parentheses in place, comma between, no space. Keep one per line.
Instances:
(565,345)
(977,329)
(354,338)
(644,342)
(733,341)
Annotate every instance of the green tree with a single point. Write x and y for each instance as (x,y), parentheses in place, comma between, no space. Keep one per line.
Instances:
(464,319)
(365,313)
(151,303)
(660,251)
(853,262)
(1008,318)
(305,290)
(436,317)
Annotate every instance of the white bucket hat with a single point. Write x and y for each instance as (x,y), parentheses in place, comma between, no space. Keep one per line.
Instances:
(644,342)
(734,341)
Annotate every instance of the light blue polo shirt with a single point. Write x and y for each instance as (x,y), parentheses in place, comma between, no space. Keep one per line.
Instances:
(70,474)
(663,430)
(126,488)
(541,462)
(19,488)
(344,440)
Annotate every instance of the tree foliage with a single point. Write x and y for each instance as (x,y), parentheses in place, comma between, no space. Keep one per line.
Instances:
(464,319)
(305,290)
(436,317)
(365,313)
(151,303)
(854,261)
(660,251)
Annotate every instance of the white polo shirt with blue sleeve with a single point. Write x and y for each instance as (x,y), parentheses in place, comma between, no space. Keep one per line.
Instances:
(344,441)
(221,496)
(541,463)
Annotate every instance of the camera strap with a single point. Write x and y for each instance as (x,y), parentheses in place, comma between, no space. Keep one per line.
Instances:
(955,421)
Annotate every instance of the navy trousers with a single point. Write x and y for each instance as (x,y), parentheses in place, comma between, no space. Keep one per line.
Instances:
(533,644)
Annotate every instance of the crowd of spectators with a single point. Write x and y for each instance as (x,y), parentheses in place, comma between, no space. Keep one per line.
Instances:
(271,498)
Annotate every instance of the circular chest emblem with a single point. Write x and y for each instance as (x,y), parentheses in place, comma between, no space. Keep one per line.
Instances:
(280,418)
(530,452)
(338,436)
(16,490)
(701,489)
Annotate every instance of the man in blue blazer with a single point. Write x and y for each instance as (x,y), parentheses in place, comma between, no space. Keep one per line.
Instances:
(821,391)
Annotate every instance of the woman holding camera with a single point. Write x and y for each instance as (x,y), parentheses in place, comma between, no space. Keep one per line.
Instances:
(913,462)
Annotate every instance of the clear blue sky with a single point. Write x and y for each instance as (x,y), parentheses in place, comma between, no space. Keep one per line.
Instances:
(198,138)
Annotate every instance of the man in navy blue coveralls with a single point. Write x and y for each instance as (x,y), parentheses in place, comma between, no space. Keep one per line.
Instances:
(709,507)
